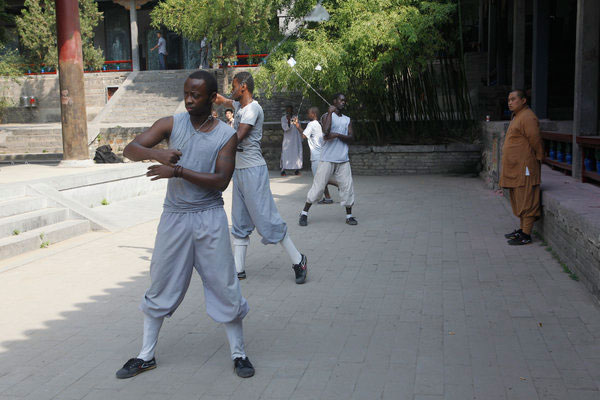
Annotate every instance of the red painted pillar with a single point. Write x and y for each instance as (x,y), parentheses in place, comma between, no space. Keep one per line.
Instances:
(72,90)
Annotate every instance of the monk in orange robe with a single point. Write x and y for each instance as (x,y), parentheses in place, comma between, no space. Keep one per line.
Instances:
(522,154)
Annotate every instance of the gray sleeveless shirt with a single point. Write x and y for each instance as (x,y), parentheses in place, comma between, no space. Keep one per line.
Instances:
(200,150)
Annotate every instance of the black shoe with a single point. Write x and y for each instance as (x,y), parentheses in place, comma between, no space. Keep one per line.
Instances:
(325,201)
(242,275)
(300,270)
(303,221)
(520,240)
(283,173)
(297,172)
(135,366)
(514,234)
(243,367)
(351,221)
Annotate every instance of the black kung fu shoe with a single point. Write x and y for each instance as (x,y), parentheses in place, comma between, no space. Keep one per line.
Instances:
(514,234)
(303,221)
(243,367)
(520,240)
(300,270)
(135,366)
(241,275)
(351,221)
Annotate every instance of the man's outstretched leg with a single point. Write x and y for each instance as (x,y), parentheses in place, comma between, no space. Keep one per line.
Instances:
(235,334)
(324,171)
(298,260)
(240,246)
(145,360)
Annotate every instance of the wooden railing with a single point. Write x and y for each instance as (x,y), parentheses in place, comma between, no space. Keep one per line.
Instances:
(557,151)
(590,160)
(558,154)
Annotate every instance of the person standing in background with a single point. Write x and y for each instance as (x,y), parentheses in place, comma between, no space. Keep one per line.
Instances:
(162,51)
(291,146)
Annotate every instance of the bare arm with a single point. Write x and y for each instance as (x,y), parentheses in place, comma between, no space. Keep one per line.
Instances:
(141,148)
(327,121)
(223,100)
(219,180)
(243,131)
(298,126)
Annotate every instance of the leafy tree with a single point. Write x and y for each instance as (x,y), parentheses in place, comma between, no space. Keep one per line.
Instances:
(37,31)
(363,45)
(5,19)
(254,22)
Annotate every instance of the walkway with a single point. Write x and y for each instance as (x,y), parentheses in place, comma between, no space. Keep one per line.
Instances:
(422,300)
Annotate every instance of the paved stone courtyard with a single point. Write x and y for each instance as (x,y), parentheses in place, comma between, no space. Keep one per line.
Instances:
(422,300)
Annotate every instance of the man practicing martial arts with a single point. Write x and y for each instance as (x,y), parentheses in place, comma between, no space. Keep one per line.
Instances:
(253,204)
(314,135)
(193,229)
(337,132)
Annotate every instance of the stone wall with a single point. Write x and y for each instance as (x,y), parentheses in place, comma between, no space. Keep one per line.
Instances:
(46,88)
(407,160)
(571,225)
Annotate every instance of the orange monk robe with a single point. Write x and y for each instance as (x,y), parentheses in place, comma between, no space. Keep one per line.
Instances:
(522,154)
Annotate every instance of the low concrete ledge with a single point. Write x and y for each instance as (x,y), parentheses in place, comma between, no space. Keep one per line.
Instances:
(571,224)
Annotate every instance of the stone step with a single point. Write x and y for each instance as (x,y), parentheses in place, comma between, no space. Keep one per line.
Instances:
(21,205)
(32,220)
(42,237)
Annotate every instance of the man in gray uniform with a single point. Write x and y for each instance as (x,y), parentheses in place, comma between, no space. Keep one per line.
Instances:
(193,229)
(337,132)
(253,205)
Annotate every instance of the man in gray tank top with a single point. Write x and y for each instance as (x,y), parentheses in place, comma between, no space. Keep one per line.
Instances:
(253,205)
(193,229)
(335,163)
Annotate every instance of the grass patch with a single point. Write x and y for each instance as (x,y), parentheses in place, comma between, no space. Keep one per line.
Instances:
(16,232)
(104,202)
(45,243)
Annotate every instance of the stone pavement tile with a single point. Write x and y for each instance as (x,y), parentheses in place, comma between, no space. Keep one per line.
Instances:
(583,395)
(458,392)
(430,375)
(579,379)
(550,389)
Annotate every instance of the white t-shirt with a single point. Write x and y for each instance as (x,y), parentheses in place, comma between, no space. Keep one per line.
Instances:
(335,150)
(249,153)
(314,135)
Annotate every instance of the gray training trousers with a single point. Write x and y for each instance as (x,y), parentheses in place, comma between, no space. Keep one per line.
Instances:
(253,206)
(188,240)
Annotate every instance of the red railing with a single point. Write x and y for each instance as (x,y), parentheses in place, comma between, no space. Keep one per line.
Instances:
(52,71)
(241,57)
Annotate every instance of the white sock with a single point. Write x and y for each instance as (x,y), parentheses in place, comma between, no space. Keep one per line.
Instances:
(348,216)
(304,212)
(292,251)
(151,329)
(235,335)
(239,252)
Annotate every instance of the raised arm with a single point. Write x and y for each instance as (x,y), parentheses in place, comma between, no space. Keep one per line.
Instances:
(219,180)
(327,121)
(141,148)
(228,103)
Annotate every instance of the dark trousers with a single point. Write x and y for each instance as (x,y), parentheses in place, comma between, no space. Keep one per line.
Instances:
(162,61)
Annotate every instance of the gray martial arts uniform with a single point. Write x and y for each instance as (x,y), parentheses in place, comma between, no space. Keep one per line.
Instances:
(253,205)
(334,163)
(193,233)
